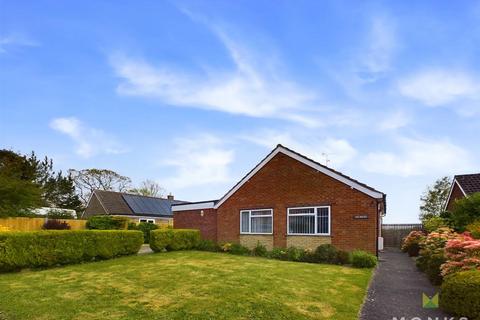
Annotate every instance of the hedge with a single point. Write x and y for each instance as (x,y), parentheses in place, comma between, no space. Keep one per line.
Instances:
(460,294)
(174,239)
(363,259)
(38,249)
(107,223)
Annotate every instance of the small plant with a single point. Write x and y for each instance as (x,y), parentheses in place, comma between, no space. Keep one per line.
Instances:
(363,259)
(226,247)
(208,245)
(238,249)
(278,253)
(53,224)
(326,253)
(259,250)
(295,254)
(343,257)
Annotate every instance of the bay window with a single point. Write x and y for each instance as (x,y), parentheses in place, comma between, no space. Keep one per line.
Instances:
(308,221)
(256,221)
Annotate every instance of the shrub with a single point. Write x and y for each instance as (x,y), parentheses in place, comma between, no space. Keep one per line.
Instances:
(107,223)
(174,239)
(238,249)
(432,268)
(60,214)
(460,294)
(53,224)
(208,245)
(309,256)
(343,257)
(326,253)
(462,253)
(259,250)
(278,253)
(363,259)
(36,249)
(433,244)
(146,228)
(226,247)
(466,211)
(411,243)
(474,229)
(295,254)
(433,223)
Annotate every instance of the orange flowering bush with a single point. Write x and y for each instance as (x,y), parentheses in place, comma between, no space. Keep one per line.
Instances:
(411,243)
(462,254)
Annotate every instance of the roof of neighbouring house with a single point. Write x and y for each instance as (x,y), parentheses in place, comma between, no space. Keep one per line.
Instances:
(121,203)
(295,155)
(469,183)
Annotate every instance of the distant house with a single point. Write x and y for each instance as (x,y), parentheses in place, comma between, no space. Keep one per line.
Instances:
(136,207)
(290,200)
(462,186)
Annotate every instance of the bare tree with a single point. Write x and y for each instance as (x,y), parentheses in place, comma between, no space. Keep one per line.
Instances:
(149,188)
(88,180)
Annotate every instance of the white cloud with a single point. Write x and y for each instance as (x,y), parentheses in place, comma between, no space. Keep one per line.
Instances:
(255,87)
(89,141)
(201,160)
(419,157)
(438,87)
(395,120)
(336,152)
(16,39)
(381,44)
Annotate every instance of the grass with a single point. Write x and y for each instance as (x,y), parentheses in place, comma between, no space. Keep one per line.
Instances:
(185,285)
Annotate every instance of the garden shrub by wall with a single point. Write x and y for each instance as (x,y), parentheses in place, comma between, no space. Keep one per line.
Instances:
(50,248)
(174,239)
(460,294)
(107,223)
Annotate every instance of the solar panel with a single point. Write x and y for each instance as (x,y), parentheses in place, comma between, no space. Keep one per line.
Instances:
(148,205)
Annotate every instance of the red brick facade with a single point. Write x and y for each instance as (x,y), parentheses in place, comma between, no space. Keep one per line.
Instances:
(205,220)
(285,182)
(455,195)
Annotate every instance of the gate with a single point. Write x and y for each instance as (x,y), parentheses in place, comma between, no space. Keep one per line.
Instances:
(393,234)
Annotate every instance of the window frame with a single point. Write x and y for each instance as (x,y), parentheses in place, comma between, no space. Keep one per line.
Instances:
(147,220)
(316,220)
(250,220)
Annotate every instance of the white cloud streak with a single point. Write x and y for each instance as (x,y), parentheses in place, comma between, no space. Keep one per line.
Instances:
(16,39)
(89,141)
(201,160)
(417,157)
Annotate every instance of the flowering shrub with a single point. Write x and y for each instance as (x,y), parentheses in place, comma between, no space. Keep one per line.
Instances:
(432,253)
(462,253)
(474,229)
(411,243)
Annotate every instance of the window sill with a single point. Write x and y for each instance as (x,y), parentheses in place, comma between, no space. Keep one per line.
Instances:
(308,235)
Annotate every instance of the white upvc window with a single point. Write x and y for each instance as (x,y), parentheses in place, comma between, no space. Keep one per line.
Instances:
(309,221)
(258,221)
(146,220)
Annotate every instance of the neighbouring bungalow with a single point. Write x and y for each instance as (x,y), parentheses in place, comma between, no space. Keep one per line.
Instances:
(138,208)
(290,200)
(462,186)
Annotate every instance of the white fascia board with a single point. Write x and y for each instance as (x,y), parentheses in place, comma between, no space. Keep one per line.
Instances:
(330,173)
(455,182)
(193,206)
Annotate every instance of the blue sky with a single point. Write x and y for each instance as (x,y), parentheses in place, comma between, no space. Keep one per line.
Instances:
(193,94)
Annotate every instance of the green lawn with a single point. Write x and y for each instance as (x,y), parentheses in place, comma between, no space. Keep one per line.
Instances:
(185,285)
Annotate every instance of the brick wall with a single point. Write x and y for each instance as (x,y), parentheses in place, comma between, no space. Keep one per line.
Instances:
(456,194)
(284,182)
(307,242)
(251,240)
(193,219)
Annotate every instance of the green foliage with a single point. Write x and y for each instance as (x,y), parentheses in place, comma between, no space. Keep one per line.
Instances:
(326,253)
(238,249)
(434,198)
(54,224)
(433,223)
(174,239)
(259,250)
(465,212)
(146,228)
(363,259)
(59,214)
(343,257)
(295,254)
(278,253)
(208,245)
(107,223)
(18,197)
(432,268)
(460,294)
(474,229)
(50,248)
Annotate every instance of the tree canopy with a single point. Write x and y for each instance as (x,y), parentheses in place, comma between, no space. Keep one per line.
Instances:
(434,198)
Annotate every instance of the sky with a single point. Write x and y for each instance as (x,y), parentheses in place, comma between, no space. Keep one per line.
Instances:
(193,94)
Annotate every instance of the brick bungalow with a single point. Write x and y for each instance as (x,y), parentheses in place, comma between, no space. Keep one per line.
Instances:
(463,185)
(290,200)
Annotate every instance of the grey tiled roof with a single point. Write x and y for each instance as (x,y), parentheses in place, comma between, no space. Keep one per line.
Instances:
(470,183)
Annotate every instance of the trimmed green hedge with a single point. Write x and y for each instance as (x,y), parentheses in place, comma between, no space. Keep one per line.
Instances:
(107,223)
(50,248)
(460,294)
(363,259)
(174,239)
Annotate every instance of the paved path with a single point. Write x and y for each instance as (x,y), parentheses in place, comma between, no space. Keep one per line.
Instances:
(396,290)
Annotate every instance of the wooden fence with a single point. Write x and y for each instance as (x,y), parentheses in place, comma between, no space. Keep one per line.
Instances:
(33,224)
(394,233)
